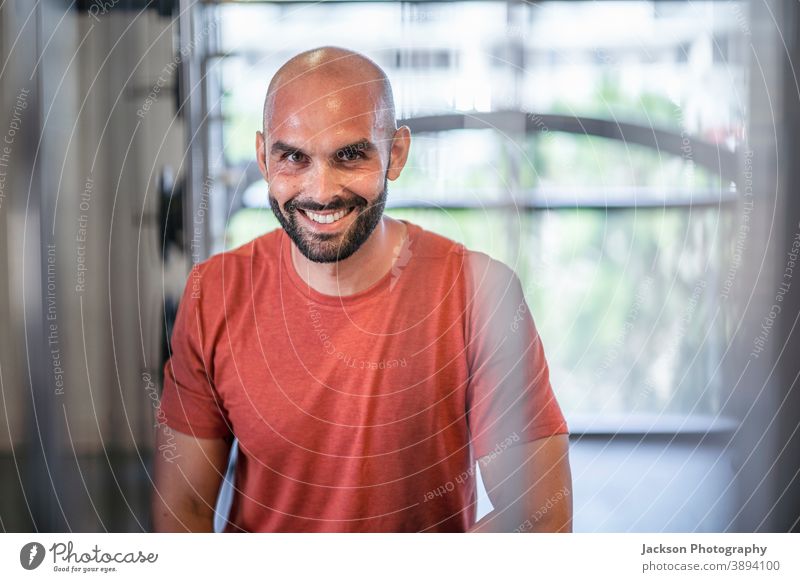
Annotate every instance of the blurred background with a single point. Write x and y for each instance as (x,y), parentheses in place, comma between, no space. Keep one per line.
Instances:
(635,162)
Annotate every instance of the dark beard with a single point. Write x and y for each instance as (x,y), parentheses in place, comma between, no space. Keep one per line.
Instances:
(329,248)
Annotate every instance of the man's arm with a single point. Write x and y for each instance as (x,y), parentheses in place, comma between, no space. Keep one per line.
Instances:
(187,481)
(530,486)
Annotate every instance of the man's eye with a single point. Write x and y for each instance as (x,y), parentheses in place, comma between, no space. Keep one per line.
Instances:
(349,155)
(295,157)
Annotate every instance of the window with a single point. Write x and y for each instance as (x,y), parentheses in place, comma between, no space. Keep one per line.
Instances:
(590,146)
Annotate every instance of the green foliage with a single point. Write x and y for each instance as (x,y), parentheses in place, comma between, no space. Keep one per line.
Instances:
(622,299)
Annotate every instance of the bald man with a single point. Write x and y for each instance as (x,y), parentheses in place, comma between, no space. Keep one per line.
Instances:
(370,370)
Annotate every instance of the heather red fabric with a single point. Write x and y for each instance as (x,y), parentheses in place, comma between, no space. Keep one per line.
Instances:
(364,412)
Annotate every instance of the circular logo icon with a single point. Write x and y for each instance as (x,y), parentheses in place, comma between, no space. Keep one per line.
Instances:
(31,555)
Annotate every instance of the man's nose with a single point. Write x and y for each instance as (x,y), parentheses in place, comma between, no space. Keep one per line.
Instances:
(322,184)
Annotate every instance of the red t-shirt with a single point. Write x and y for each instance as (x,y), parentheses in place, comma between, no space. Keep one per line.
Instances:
(364,412)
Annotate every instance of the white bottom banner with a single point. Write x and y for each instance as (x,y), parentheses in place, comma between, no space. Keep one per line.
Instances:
(401,557)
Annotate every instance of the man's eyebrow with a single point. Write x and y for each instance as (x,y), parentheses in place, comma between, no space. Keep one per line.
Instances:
(363,145)
(280,146)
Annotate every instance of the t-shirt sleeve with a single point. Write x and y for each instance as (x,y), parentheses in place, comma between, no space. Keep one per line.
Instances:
(509,396)
(190,403)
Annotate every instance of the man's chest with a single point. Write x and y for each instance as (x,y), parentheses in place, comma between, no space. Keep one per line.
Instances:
(337,381)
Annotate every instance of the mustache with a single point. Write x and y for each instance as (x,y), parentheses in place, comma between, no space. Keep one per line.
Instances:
(333,205)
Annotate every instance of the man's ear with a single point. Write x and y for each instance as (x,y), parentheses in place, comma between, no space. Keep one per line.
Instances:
(261,154)
(401,145)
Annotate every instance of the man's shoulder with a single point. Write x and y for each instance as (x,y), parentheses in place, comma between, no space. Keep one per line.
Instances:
(229,272)
(431,245)
(262,248)
(479,266)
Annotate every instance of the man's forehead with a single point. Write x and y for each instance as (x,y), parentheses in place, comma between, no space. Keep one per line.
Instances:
(327,121)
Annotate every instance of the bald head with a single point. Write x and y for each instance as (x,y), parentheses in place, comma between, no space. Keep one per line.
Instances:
(319,73)
(330,145)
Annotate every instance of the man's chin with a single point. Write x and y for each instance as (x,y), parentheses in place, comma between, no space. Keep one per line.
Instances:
(323,247)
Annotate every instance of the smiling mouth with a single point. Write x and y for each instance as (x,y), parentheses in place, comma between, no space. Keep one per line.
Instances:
(328,217)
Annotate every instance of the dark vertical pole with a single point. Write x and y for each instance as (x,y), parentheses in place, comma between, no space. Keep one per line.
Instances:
(43,481)
(190,39)
(787,477)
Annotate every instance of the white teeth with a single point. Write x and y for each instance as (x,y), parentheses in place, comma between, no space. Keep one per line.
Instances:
(326,218)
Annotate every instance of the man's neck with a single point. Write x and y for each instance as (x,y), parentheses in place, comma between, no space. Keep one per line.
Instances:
(358,271)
